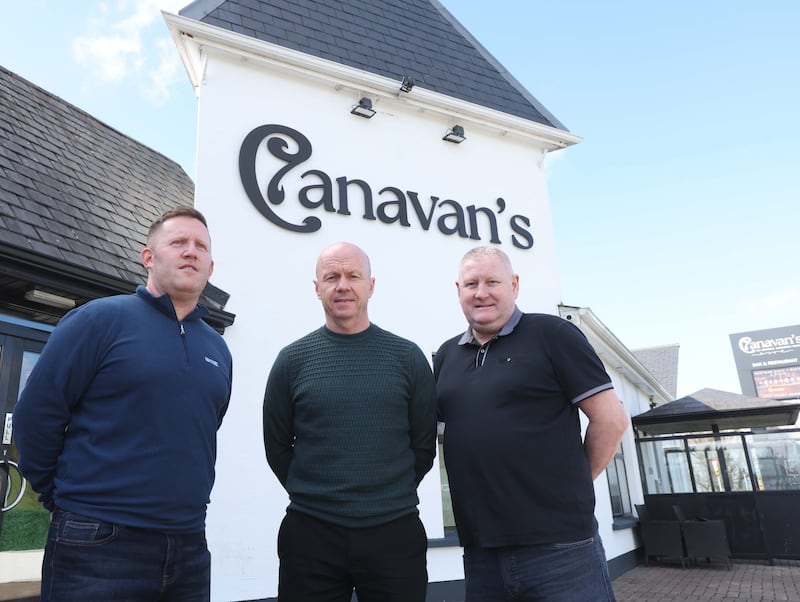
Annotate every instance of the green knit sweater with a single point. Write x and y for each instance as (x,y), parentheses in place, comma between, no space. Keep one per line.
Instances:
(350,425)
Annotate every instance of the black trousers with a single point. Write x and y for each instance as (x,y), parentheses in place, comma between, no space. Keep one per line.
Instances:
(323,562)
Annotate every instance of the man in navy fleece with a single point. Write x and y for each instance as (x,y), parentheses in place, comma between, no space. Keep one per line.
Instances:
(116,430)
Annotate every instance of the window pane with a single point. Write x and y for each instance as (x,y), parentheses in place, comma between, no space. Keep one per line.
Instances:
(736,462)
(775,458)
(614,490)
(29,359)
(618,486)
(719,464)
(447,505)
(680,481)
(664,466)
(625,496)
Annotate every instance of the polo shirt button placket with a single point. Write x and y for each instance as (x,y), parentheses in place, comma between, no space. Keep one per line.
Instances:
(481,356)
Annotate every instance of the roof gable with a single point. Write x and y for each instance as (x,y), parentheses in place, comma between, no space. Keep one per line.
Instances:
(419,39)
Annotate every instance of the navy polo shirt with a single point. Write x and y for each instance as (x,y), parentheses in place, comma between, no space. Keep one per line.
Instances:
(513,450)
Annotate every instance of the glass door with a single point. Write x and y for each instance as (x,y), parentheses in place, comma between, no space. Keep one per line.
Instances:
(23,521)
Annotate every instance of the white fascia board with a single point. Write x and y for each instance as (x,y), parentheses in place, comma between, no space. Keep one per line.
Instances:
(619,356)
(195,40)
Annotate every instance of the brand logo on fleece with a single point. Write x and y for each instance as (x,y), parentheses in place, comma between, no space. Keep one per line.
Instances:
(213,362)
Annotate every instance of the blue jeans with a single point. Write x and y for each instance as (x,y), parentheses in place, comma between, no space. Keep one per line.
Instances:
(562,572)
(86,559)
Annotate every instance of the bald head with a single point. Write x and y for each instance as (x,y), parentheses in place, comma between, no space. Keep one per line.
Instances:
(344,250)
(344,284)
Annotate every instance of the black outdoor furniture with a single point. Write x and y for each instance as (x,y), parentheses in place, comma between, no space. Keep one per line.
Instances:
(662,538)
(704,539)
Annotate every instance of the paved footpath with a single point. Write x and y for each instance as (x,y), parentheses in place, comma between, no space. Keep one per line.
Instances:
(744,581)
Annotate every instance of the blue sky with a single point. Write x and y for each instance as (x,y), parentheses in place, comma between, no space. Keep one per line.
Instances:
(677,215)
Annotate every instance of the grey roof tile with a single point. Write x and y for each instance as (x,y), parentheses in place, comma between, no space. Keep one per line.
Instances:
(662,362)
(76,190)
(10,236)
(44,248)
(390,38)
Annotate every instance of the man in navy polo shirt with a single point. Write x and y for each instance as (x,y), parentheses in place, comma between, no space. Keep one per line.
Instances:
(520,473)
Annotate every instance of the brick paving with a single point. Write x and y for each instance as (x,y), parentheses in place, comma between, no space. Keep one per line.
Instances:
(710,583)
(743,582)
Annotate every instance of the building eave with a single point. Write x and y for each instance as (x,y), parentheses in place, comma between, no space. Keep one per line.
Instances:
(196,41)
(80,284)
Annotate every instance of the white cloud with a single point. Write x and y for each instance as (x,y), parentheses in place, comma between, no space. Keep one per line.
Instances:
(129,43)
(109,57)
(167,73)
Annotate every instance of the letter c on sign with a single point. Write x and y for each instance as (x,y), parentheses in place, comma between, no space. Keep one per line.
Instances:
(275,195)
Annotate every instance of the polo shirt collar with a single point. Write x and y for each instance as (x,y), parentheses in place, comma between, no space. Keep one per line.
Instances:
(507,328)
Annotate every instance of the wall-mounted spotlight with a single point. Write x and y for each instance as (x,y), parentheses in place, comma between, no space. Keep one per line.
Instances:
(45,298)
(455,134)
(407,84)
(363,108)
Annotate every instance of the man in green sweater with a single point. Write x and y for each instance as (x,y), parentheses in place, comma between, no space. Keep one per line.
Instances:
(350,430)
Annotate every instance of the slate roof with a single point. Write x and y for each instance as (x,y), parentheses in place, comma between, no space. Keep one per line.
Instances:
(392,38)
(76,199)
(662,362)
(710,409)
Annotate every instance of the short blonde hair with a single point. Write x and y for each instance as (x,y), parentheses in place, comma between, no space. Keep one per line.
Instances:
(487,251)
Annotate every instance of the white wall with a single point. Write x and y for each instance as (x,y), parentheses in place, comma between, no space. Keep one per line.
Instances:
(21,566)
(268,271)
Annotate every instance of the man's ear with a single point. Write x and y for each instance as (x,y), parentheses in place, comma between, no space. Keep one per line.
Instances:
(147,258)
